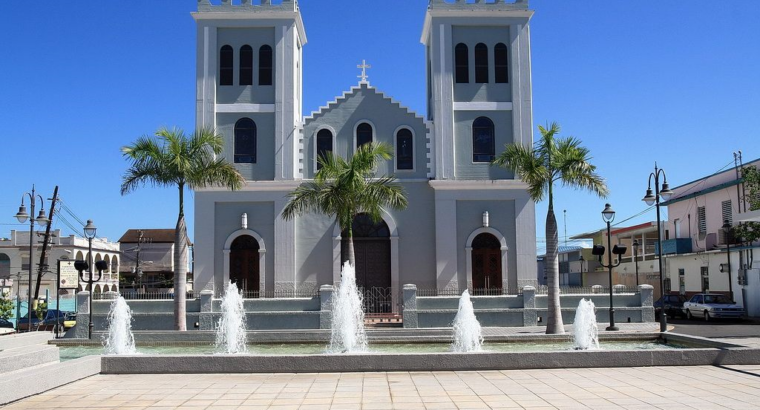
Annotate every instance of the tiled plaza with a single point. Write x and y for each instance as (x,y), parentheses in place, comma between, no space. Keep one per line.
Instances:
(704,387)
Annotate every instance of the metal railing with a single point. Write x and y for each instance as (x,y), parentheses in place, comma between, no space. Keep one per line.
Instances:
(129,295)
(540,290)
(587,290)
(280,294)
(457,292)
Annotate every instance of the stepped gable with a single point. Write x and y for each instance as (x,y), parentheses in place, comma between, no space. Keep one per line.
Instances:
(350,93)
(363,86)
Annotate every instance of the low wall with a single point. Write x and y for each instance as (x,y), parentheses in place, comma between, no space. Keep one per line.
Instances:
(527,309)
(203,313)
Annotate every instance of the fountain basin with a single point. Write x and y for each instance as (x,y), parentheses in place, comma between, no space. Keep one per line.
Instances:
(387,362)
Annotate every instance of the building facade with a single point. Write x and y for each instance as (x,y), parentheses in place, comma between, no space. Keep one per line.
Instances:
(696,244)
(14,262)
(637,266)
(148,260)
(468,224)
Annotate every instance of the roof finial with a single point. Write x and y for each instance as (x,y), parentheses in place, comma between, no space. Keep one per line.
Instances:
(364,68)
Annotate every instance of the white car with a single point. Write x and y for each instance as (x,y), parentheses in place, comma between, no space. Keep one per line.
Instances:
(712,306)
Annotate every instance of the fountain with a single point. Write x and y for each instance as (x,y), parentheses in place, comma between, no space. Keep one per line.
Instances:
(230,330)
(347,331)
(585,331)
(119,339)
(468,336)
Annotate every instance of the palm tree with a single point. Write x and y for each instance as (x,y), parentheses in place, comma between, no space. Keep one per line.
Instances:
(173,159)
(552,160)
(345,189)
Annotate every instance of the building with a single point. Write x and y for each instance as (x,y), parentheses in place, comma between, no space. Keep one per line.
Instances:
(148,260)
(14,261)
(574,262)
(645,235)
(468,224)
(695,243)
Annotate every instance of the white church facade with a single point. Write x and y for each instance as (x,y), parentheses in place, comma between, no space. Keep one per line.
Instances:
(468,224)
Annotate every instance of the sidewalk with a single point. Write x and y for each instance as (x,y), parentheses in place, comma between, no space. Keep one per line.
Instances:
(705,387)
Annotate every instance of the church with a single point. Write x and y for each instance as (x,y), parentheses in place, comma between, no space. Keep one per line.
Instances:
(469,225)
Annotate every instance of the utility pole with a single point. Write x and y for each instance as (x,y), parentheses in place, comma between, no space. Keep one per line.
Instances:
(43,254)
(137,269)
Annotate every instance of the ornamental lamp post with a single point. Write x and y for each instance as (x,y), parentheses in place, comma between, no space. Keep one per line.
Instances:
(636,259)
(654,199)
(608,215)
(726,236)
(22,216)
(89,232)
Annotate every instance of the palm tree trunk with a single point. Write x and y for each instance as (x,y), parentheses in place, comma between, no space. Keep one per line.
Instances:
(351,257)
(180,267)
(554,323)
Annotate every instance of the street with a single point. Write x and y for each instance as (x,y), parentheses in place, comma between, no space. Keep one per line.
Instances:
(716,328)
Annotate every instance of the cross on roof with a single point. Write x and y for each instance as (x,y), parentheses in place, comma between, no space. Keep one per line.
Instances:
(364,68)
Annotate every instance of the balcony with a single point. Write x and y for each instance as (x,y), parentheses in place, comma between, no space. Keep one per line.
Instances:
(674,246)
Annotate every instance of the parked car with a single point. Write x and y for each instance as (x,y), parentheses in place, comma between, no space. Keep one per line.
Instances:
(67,320)
(6,323)
(712,306)
(673,305)
(47,322)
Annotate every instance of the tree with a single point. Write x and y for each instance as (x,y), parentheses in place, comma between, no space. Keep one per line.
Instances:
(552,160)
(749,232)
(6,306)
(173,159)
(344,189)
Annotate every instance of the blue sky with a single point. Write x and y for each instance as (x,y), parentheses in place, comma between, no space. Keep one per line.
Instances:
(637,81)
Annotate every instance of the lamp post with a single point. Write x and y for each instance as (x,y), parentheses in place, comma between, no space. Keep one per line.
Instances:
(654,199)
(89,231)
(22,216)
(636,259)
(608,215)
(726,231)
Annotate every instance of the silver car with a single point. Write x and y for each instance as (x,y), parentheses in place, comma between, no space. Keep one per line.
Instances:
(711,306)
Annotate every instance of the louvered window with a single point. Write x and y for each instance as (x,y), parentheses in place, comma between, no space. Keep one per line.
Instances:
(701,219)
(726,210)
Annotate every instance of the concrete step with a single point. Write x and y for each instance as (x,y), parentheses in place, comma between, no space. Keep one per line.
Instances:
(27,382)
(26,357)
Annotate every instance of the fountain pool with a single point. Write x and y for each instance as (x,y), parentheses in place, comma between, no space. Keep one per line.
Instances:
(274,349)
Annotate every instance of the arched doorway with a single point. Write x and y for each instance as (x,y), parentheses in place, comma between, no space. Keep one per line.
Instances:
(486,265)
(244,265)
(372,248)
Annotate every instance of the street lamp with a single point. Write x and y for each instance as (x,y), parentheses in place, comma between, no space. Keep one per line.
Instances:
(22,216)
(654,199)
(726,232)
(608,215)
(636,259)
(89,233)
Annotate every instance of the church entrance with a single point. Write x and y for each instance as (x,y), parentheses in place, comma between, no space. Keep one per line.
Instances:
(244,265)
(372,248)
(486,265)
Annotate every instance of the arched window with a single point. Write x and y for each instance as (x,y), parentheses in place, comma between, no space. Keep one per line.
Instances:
(501,63)
(404,149)
(265,65)
(246,65)
(324,145)
(225,65)
(462,63)
(483,141)
(363,134)
(245,141)
(481,63)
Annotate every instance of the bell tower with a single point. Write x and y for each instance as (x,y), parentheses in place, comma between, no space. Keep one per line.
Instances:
(479,83)
(249,63)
